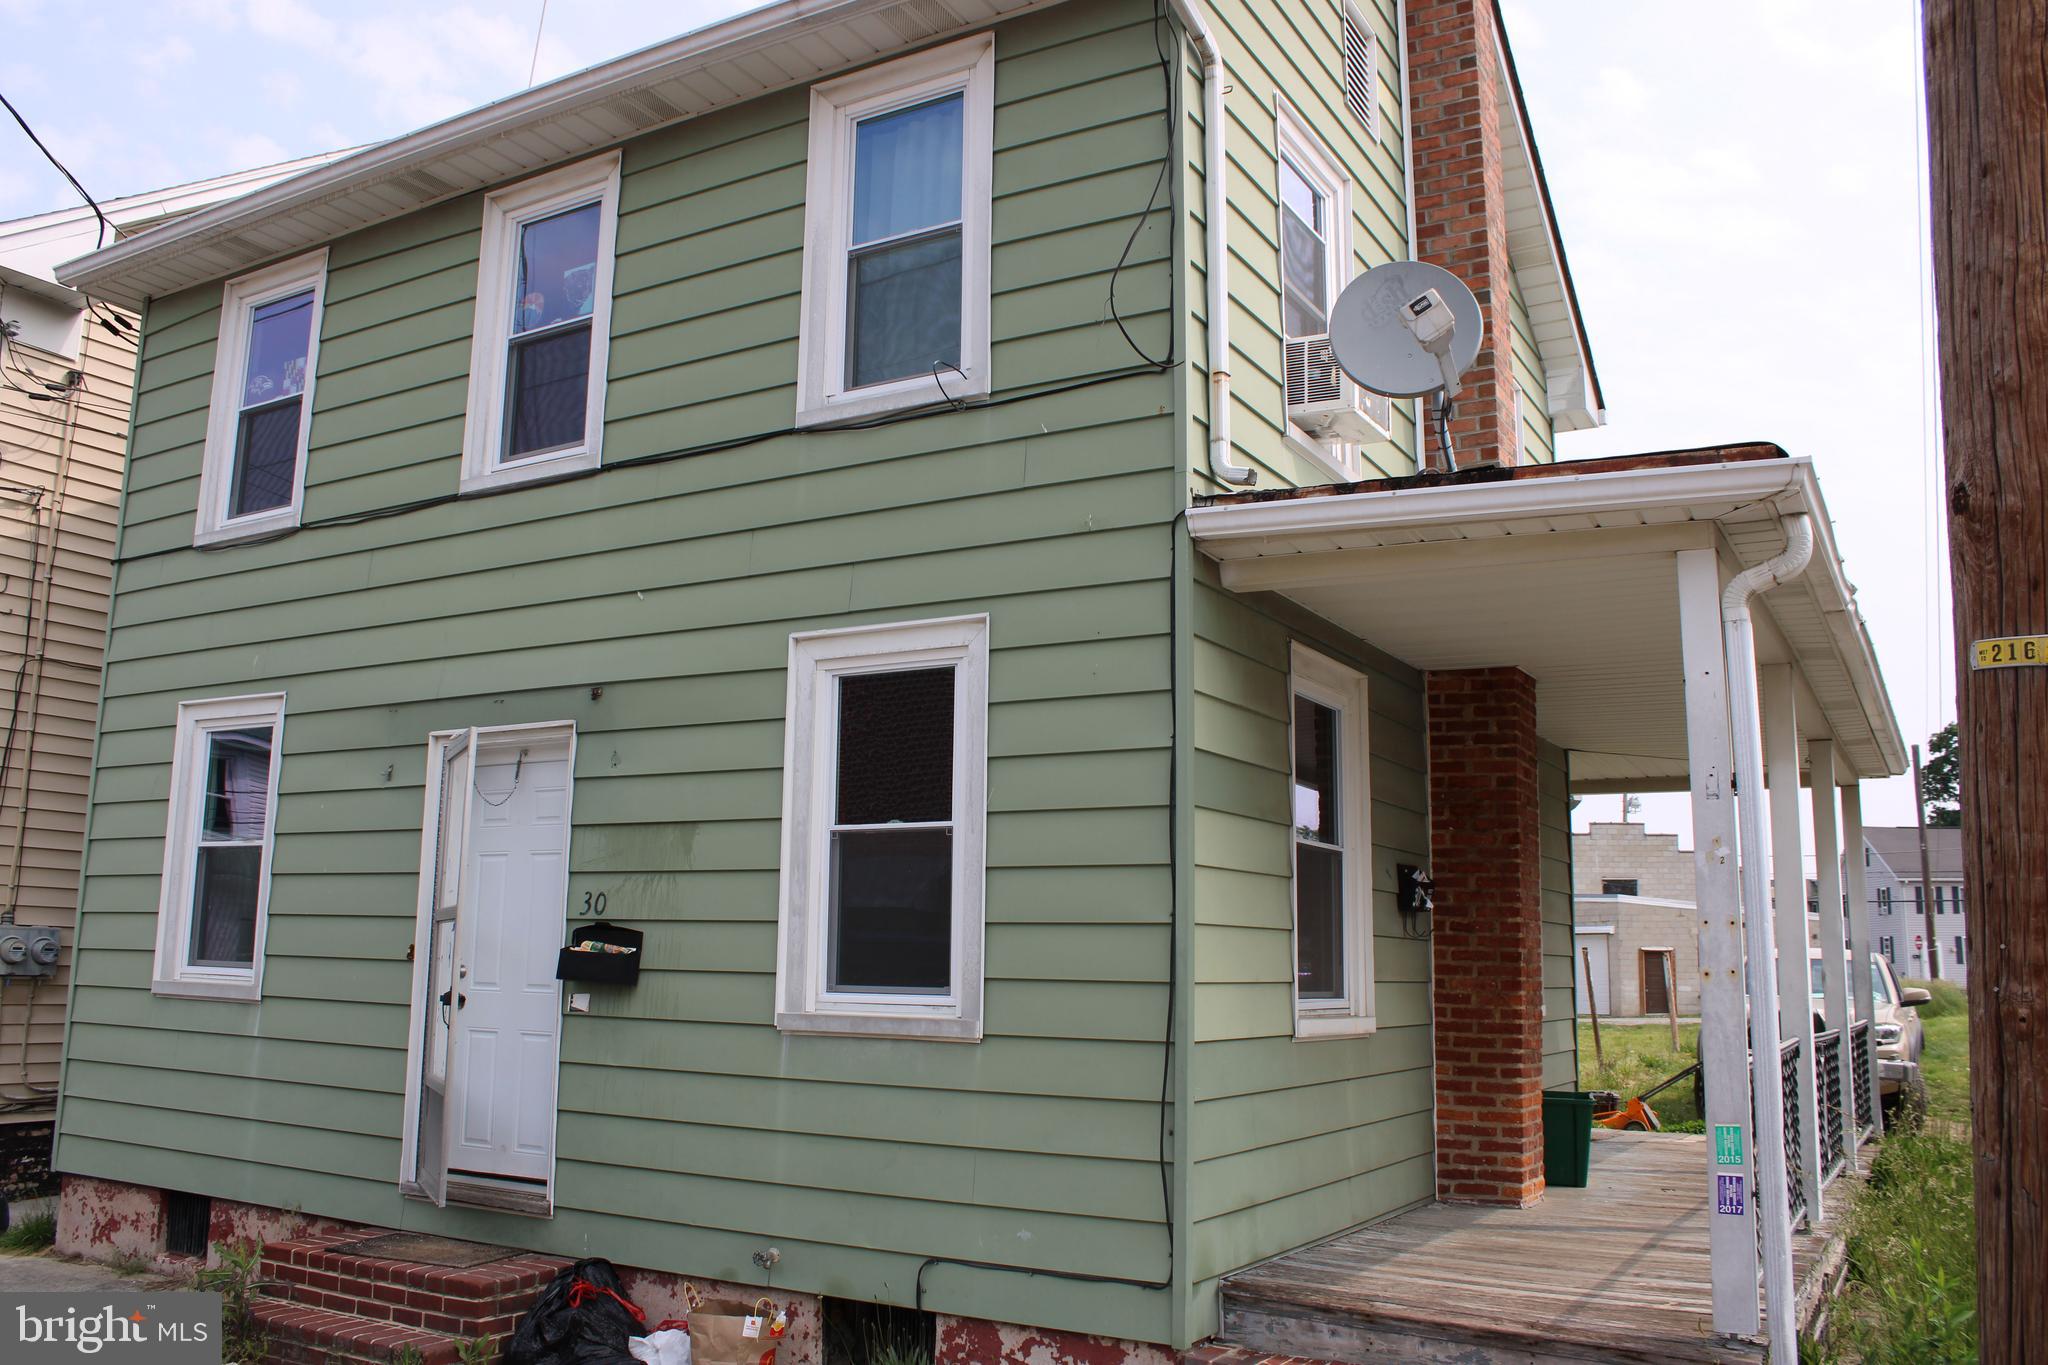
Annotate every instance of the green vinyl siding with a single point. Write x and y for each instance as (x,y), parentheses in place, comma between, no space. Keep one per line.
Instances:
(652,606)
(1291,52)
(1292,1140)
(1560,1018)
(1539,443)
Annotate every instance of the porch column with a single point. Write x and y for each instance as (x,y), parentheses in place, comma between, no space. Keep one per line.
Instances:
(1827,876)
(1788,890)
(1859,942)
(1487,940)
(1717,888)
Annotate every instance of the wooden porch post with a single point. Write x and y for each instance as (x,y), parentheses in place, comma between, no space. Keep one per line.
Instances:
(1827,875)
(1788,886)
(1724,1034)
(1859,948)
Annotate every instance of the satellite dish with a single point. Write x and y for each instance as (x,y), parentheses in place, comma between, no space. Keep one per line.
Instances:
(1373,336)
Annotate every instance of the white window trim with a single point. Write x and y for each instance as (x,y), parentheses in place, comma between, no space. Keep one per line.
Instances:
(240,298)
(802,1003)
(172,974)
(505,212)
(1294,139)
(1323,679)
(967,66)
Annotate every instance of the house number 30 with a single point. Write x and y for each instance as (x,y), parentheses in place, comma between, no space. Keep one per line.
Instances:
(593,902)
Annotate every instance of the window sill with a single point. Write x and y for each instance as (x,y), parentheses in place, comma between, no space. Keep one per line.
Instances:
(903,396)
(543,469)
(214,988)
(246,529)
(1312,1027)
(930,1028)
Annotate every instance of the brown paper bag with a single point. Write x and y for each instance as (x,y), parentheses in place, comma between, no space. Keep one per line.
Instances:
(723,1332)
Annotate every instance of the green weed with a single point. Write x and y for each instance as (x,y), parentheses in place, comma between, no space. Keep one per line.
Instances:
(33,1233)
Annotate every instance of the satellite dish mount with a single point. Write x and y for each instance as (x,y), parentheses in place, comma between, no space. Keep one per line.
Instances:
(1408,329)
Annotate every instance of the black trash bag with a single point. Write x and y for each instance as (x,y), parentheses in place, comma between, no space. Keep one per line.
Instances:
(582,1318)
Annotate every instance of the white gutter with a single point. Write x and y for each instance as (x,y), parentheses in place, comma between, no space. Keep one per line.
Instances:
(1224,528)
(1760,940)
(1215,185)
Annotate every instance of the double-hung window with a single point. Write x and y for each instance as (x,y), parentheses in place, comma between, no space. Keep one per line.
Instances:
(216,880)
(896,243)
(543,327)
(1332,837)
(253,475)
(1314,232)
(884,812)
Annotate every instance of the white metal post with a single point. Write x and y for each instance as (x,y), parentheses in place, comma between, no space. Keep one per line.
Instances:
(1860,947)
(1827,876)
(1788,885)
(1768,1199)
(1724,1034)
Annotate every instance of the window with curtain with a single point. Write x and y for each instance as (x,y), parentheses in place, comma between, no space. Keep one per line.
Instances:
(903,259)
(898,223)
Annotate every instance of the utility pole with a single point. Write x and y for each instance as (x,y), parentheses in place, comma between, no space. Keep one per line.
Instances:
(1926,875)
(1987,119)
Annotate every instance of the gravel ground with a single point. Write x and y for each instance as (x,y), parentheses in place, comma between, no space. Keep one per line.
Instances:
(48,1272)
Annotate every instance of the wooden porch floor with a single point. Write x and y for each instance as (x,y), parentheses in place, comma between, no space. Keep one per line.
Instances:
(1616,1271)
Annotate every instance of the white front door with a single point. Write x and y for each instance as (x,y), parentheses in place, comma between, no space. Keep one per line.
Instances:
(507,1016)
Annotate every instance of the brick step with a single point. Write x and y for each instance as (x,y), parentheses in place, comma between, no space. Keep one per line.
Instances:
(298,1334)
(474,1301)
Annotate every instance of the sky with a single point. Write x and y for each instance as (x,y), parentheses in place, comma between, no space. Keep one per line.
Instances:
(1739,191)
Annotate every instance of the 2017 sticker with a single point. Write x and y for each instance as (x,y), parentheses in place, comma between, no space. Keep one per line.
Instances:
(1729,1198)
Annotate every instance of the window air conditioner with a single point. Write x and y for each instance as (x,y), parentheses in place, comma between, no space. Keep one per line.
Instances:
(1323,401)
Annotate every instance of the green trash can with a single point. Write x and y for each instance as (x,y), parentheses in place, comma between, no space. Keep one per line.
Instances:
(1567,1138)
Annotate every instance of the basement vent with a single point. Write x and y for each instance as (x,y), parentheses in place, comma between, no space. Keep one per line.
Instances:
(187,1220)
(1361,71)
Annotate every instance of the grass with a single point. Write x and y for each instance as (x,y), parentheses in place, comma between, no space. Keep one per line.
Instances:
(34,1232)
(1637,1057)
(1912,1292)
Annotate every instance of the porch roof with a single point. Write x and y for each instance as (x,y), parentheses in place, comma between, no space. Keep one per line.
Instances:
(1566,571)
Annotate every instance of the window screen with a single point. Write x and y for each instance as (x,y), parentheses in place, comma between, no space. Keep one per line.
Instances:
(273,394)
(1318,853)
(903,259)
(547,373)
(234,806)
(892,834)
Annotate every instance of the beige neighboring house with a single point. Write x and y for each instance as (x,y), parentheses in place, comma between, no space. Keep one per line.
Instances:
(1634,921)
(67,367)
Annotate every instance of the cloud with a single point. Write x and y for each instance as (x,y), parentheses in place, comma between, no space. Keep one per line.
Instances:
(154,59)
(254,149)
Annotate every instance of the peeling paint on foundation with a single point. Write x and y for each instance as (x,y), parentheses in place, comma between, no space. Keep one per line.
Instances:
(108,1220)
(976,1341)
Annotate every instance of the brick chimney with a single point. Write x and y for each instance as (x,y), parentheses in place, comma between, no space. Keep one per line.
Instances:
(1454,49)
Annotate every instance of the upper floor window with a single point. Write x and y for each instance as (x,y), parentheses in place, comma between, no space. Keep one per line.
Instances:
(896,246)
(1333,985)
(216,879)
(1621,886)
(884,811)
(1314,232)
(253,476)
(543,326)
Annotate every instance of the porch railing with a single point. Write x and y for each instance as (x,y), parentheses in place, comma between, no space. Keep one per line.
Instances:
(1859,1073)
(1788,1077)
(1834,1124)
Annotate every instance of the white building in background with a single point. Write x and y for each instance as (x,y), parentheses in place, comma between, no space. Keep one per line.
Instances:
(1898,922)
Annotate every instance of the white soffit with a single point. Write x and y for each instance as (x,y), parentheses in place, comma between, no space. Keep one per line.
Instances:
(1537,255)
(1569,576)
(792,43)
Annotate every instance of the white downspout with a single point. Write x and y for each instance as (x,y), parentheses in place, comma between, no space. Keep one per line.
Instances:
(1739,640)
(1215,184)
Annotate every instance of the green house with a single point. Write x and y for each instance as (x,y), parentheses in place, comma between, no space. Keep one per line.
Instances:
(716,655)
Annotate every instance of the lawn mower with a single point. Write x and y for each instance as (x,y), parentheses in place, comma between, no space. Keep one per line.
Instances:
(1637,1116)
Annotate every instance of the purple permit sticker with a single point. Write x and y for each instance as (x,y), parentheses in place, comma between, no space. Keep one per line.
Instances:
(1729,1194)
